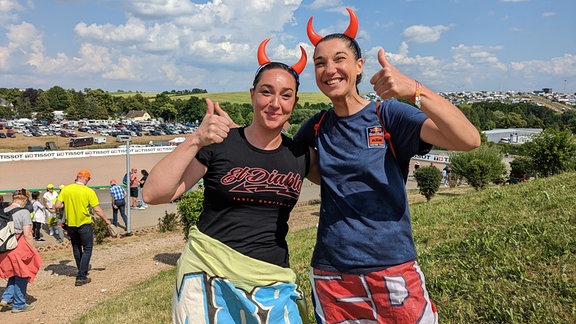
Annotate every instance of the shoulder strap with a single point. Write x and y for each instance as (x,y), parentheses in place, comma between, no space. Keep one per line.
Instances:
(13,211)
(386,134)
(317,125)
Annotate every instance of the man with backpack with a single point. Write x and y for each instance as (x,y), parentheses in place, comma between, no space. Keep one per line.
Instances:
(21,263)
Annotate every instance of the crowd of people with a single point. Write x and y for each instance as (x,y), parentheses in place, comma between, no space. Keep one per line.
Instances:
(66,213)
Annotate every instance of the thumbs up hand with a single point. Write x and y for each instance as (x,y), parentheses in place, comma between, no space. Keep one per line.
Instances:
(215,125)
(389,82)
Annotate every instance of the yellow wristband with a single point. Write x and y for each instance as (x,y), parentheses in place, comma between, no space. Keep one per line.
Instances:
(417,100)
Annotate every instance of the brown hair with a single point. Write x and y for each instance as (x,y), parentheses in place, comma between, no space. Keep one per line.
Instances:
(19,197)
(352,45)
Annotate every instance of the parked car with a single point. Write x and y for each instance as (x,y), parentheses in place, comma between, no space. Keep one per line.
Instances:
(2,135)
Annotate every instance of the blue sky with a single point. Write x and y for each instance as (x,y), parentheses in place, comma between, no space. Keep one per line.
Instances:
(158,45)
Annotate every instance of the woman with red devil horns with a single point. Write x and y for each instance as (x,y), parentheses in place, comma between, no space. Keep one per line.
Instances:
(235,267)
(364,264)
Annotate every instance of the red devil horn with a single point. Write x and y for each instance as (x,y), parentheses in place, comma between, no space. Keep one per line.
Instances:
(352,29)
(262,57)
(312,36)
(301,64)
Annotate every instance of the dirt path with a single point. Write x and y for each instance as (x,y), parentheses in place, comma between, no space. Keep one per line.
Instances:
(116,266)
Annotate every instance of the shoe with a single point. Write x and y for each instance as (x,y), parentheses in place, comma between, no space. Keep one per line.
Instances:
(5,303)
(40,240)
(51,233)
(60,240)
(81,282)
(23,309)
(141,207)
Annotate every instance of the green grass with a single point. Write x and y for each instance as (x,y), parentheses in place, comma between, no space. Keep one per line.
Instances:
(244,97)
(502,255)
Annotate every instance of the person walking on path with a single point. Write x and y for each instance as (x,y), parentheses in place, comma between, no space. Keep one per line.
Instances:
(21,264)
(54,222)
(118,200)
(77,198)
(364,262)
(38,216)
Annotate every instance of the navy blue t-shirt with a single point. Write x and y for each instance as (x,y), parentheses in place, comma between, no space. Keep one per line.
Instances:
(364,216)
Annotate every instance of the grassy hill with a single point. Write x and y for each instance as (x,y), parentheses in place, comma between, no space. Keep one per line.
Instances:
(232,97)
(502,255)
(244,97)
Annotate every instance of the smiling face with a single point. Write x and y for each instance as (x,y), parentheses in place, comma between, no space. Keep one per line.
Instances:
(336,67)
(274,97)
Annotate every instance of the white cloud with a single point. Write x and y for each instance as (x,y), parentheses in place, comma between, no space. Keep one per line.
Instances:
(7,11)
(424,34)
(564,66)
(319,4)
(133,31)
(123,70)
(93,58)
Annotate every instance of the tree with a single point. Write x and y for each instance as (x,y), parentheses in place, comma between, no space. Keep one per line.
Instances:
(552,152)
(78,108)
(28,97)
(43,110)
(103,103)
(479,167)
(191,110)
(58,98)
(23,108)
(428,179)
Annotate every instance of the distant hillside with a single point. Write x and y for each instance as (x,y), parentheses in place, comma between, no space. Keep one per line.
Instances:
(244,97)
(556,106)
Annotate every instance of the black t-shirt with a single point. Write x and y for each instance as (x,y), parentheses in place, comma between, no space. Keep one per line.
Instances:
(249,194)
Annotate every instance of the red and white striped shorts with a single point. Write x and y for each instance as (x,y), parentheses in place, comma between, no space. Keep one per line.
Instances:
(393,295)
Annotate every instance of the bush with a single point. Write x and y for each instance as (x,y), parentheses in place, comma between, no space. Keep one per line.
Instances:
(552,152)
(479,167)
(167,223)
(428,179)
(100,230)
(190,207)
(521,168)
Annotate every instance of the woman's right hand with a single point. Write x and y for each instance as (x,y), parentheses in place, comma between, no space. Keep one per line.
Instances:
(215,125)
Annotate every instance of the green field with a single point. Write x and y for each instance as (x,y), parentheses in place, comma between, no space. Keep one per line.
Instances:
(240,97)
(244,97)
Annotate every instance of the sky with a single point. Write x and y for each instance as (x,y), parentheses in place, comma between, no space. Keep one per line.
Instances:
(164,45)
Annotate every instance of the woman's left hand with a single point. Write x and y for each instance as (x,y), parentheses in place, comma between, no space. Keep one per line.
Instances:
(391,83)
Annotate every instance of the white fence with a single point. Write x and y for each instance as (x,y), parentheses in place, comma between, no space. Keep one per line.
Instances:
(69,154)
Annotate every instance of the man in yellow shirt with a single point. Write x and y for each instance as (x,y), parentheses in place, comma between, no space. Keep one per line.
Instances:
(77,198)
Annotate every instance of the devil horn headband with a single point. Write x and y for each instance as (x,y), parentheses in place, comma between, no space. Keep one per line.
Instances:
(263,58)
(351,31)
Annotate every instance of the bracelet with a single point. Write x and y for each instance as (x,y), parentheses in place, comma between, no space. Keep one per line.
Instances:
(417,100)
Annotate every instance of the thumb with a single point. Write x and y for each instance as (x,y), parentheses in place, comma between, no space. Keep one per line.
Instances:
(224,114)
(382,58)
(220,111)
(210,108)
